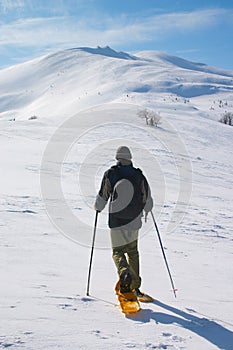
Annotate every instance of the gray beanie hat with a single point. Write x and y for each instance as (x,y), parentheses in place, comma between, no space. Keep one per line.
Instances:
(123,152)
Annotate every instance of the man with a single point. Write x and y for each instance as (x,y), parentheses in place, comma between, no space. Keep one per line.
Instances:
(129,195)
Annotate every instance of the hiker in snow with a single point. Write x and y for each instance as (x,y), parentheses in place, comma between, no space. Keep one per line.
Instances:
(129,195)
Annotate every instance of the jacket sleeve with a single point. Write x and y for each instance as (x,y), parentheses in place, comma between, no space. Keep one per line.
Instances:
(147,199)
(104,194)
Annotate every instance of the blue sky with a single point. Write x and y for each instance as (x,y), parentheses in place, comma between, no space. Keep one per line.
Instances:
(200,31)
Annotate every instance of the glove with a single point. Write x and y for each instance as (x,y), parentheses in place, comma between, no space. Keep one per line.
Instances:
(99,203)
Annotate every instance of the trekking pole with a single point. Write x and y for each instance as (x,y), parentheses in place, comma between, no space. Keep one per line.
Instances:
(165,259)
(92,251)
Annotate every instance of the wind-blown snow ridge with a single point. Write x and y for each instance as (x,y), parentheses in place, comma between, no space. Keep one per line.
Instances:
(199,67)
(178,62)
(106,51)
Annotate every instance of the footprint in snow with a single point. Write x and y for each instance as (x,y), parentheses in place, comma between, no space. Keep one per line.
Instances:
(160,346)
(21,211)
(99,335)
(67,307)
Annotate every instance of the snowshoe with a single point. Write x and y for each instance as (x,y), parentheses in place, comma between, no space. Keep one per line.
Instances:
(142,297)
(128,301)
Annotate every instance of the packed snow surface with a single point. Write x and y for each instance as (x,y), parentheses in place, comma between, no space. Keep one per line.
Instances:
(62,117)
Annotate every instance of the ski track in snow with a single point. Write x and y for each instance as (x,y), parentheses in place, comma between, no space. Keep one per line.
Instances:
(44,273)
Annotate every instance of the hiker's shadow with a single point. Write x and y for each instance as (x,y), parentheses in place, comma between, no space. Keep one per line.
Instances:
(205,328)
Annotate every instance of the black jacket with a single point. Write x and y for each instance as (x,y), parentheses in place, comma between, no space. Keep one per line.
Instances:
(124,179)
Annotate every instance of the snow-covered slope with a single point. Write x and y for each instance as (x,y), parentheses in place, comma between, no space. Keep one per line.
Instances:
(86,102)
(85,76)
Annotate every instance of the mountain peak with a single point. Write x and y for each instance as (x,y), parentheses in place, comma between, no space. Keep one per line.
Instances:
(106,51)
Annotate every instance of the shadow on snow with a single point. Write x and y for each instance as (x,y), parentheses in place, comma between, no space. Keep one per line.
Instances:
(205,328)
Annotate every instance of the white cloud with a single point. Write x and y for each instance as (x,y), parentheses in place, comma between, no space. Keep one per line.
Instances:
(187,51)
(49,7)
(9,5)
(166,24)
(93,30)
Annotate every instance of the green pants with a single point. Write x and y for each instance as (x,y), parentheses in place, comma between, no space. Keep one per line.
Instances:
(126,257)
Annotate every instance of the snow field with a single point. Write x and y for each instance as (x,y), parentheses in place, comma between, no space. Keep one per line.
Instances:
(188,162)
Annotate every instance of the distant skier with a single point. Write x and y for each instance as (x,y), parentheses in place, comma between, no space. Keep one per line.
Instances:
(129,195)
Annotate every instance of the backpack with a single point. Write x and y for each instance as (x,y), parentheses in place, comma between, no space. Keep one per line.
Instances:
(126,203)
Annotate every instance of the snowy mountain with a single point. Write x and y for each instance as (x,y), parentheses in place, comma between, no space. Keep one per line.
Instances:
(71,80)
(62,116)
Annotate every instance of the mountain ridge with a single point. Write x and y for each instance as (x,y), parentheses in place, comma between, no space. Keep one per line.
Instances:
(83,76)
